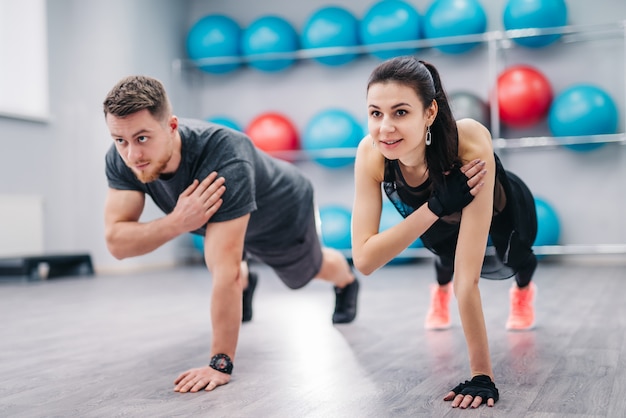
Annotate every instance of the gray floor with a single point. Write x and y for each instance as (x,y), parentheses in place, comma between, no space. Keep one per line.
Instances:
(111,346)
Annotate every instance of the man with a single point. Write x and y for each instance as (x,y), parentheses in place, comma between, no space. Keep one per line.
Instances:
(211,180)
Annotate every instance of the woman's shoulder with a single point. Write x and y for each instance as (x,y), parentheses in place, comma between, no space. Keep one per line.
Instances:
(367,148)
(468,126)
(474,139)
(370,159)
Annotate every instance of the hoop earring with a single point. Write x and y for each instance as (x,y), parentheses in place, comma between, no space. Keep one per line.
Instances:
(429,137)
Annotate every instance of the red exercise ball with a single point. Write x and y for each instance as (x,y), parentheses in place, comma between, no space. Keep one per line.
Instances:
(524,96)
(273,133)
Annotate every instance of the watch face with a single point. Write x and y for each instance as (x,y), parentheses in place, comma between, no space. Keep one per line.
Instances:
(221,363)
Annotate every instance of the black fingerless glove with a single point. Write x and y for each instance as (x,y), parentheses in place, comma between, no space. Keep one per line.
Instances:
(451,196)
(480,385)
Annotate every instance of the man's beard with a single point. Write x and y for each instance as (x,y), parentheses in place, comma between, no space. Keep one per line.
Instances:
(145,176)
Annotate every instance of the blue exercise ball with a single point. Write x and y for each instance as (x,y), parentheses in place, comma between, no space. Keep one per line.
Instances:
(215,36)
(454,18)
(198,242)
(366,128)
(332,129)
(525,14)
(336,227)
(269,35)
(225,121)
(548,224)
(583,109)
(390,217)
(390,21)
(331,27)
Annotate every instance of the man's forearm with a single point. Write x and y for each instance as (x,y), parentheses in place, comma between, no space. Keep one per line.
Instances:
(226,307)
(130,239)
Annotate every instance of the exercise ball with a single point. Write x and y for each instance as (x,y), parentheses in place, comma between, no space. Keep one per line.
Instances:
(583,109)
(524,14)
(214,36)
(273,132)
(454,18)
(332,129)
(548,225)
(524,96)
(366,128)
(331,27)
(225,121)
(336,227)
(269,35)
(465,104)
(390,21)
(389,217)
(198,242)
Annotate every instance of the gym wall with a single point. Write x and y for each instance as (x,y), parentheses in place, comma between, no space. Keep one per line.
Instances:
(93,44)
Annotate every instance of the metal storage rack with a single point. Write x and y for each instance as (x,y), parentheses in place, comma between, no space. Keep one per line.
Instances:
(496,43)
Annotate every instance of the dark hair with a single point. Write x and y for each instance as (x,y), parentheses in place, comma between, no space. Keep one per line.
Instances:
(135,93)
(423,78)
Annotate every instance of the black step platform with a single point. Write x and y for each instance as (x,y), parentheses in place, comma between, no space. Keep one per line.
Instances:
(41,267)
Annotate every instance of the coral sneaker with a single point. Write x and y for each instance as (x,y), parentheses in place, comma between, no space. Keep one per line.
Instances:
(438,316)
(522,314)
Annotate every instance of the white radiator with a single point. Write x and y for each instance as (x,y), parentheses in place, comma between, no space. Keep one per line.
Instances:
(21,225)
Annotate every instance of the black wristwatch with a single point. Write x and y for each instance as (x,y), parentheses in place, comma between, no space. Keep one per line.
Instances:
(221,363)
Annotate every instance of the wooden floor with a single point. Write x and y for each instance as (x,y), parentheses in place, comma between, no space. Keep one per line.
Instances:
(111,346)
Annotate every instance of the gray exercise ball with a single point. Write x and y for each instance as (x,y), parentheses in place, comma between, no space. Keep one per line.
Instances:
(468,105)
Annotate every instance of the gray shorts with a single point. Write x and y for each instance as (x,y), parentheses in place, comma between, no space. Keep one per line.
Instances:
(298,263)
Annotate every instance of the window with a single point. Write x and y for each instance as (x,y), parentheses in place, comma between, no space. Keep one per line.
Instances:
(24,60)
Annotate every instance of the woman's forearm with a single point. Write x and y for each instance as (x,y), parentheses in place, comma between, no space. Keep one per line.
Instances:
(381,248)
(473,322)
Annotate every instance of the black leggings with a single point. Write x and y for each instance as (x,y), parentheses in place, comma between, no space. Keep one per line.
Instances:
(513,252)
(445,271)
(512,233)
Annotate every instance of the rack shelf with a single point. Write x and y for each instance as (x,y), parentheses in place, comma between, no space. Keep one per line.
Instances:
(541,250)
(498,144)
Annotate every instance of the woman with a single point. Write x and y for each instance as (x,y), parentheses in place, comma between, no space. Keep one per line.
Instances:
(413,143)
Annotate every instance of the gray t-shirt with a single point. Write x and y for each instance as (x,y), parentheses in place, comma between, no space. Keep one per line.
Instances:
(275,193)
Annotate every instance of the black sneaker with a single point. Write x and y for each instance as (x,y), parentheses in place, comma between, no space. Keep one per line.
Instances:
(345,303)
(248,292)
